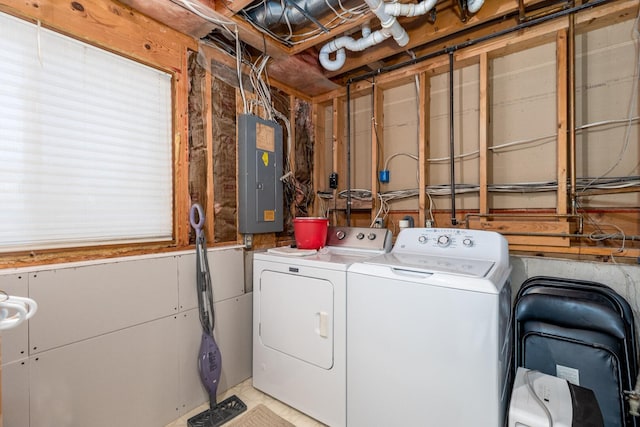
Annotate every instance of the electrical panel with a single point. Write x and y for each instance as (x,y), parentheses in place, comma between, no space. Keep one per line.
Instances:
(260,169)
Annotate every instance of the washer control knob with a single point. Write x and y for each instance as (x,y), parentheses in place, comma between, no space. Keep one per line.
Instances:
(360,236)
(340,234)
(422,239)
(444,241)
(371,236)
(467,242)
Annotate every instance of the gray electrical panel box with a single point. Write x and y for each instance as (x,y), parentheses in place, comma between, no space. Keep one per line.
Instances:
(260,168)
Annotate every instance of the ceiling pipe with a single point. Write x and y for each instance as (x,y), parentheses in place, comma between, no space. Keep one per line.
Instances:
(274,13)
(474,5)
(338,46)
(387,13)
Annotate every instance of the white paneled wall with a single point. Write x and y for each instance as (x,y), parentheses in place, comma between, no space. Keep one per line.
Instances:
(116,342)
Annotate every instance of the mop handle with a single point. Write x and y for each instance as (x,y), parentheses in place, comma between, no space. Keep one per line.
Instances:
(198,226)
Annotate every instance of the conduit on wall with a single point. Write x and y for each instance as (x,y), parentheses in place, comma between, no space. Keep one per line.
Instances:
(452,157)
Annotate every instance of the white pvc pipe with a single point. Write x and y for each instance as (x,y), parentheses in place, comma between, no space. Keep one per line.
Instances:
(474,5)
(387,13)
(341,56)
(341,43)
(410,9)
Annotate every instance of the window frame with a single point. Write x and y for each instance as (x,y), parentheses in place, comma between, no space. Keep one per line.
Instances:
(129,34)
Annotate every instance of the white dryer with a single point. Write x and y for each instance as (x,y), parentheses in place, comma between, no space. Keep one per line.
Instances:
(299,330)
(428,335)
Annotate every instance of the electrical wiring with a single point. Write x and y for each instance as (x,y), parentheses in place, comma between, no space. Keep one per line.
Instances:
(359,194)
(632,101)
(605,122)
(437,190)
(443,190)
(291,39)
(598,234)
(386,198)
(207,14)
(210,16)
(432,206)
(541,139)
(549,138)
(413,156)
(382,212)
(298,193)
(239,71)
(458,157)
(342,15)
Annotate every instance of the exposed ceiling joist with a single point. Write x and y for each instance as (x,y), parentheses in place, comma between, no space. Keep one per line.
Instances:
(295,62)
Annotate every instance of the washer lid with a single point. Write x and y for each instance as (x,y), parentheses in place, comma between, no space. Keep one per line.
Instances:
(434,264)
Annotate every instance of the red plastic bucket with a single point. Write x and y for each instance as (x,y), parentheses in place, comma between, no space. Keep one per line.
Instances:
(310,232)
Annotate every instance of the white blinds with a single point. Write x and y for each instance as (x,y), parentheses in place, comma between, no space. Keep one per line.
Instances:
(85,143)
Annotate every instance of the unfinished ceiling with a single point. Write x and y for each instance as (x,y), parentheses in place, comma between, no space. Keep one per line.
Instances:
(317,45)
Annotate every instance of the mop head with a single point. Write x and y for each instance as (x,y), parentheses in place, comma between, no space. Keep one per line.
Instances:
(223,412)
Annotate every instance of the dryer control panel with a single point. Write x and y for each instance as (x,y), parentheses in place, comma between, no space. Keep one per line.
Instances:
(361,238)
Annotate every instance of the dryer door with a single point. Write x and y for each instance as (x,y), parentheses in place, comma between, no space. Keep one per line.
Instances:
(296,316)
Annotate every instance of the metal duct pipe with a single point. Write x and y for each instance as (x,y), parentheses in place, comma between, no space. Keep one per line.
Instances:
(387,13)
(275,12)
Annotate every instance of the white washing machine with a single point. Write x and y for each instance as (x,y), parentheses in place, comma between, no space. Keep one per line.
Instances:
(299,331)
(428,332)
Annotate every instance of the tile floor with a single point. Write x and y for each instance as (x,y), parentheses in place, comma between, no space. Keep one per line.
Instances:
(252,397)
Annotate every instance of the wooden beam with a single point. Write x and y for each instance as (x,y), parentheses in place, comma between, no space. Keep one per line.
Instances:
(424,115)
(319,161)
(483,133)
(377,144)
(208,126)
(339,163)
(562,140)
(614,12)
(173,15)
(301,71)
(591,251)
(526,232)
(515,41)
(108,25)
(181,198)
(292,137)
(571,114)
(227,8)
(223,13)
(230,62)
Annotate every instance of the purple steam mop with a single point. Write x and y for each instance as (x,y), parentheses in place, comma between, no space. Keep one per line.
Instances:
(209,358)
